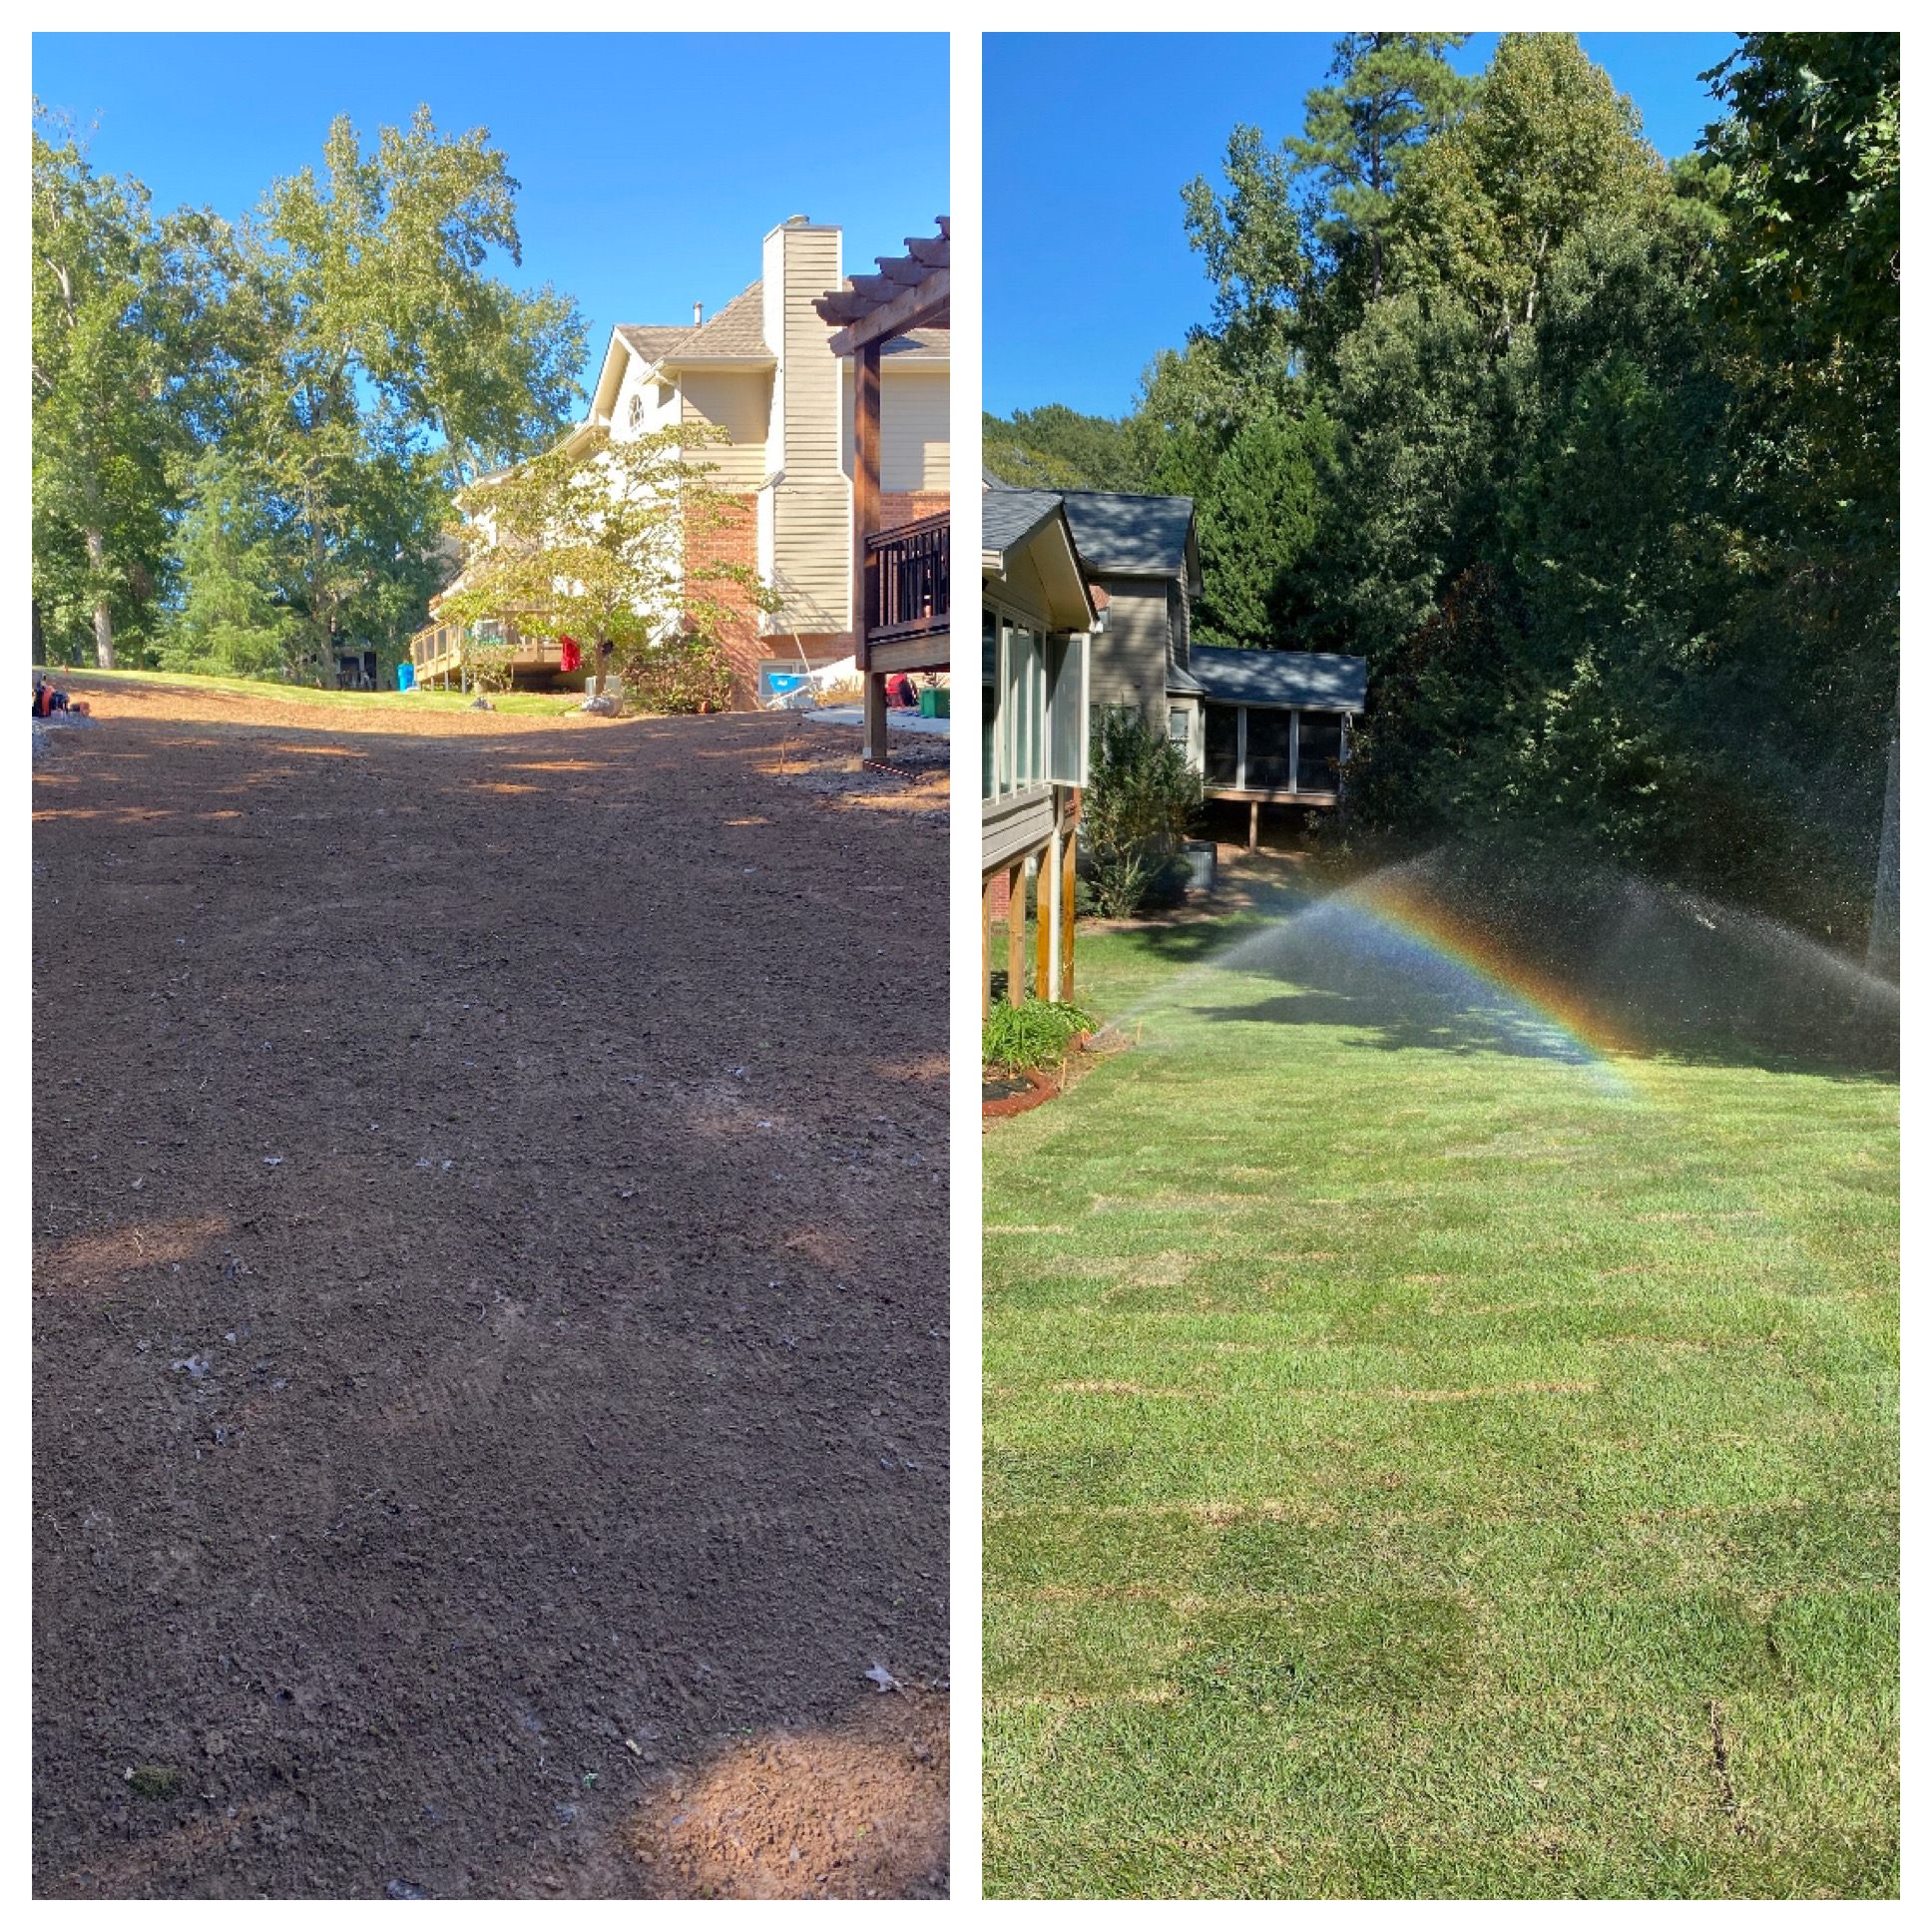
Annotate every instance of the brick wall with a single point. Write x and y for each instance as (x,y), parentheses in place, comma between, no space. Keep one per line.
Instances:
(734,542)
(908,506)
(738,543)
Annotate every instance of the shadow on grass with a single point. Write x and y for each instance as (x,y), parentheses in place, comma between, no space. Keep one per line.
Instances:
(1443,957)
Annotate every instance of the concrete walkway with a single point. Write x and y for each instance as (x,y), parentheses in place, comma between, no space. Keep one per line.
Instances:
(896,720)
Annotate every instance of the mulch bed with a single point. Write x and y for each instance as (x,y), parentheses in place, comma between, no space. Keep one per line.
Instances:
(490,1312)
(1000,1100)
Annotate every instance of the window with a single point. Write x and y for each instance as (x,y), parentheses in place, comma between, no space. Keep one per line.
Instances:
(989,680)
(1068,661)
(1222,765)
(1178,727)
(1270,735)
(637,412)
(1319,753)
(1033,711)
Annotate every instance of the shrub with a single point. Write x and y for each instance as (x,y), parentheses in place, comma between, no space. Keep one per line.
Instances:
(687,674)
(1024,1039)
(1141,798)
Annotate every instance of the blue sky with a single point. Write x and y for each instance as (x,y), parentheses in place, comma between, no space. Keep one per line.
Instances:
(651,165)
(1088,138)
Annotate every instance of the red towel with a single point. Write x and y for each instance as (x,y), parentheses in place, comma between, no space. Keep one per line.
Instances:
(573,657)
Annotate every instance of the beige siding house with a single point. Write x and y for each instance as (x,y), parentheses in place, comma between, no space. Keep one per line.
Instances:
(762,371)
(1037,665)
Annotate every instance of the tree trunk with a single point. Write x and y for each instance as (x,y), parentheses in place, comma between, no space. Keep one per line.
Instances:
(1881,953)
(103,621)
(40,637)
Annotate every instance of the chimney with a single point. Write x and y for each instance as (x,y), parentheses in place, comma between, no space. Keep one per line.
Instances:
(697,315)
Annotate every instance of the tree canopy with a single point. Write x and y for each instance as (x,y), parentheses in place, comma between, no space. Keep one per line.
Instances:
(248,434)
(1594,457)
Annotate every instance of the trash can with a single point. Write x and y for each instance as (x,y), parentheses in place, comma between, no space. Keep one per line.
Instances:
(405,675)
(936,703)
(1201,864)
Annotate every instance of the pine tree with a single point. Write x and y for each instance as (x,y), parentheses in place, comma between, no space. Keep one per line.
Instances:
(1256,525)
(1392,91)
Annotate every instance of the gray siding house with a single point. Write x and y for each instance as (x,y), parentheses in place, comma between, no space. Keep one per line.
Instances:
(1261,727)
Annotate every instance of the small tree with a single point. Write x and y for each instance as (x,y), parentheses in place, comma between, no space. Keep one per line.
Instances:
(591,542)
(1141,798)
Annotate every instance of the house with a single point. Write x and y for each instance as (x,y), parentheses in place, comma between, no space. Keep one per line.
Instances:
(762,371)
(901,573)
(1038,618)
(1261,727)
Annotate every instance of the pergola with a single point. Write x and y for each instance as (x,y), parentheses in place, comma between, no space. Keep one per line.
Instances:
(912,290)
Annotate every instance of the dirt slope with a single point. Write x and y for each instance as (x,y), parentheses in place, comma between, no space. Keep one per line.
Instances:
(490,1294)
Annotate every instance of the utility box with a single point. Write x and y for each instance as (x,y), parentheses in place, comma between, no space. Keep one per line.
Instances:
(936,701)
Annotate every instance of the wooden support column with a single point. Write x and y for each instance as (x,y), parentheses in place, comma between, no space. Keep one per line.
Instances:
(865,525)
(1049,879)
(1043,930)
(1067,843)
(1016,935)
(1253,824)
(986,945)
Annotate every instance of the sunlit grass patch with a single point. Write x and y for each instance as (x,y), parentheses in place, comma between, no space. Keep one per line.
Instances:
(1418,1468)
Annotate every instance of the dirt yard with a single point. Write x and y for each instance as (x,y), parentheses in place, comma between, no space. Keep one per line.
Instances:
(490,1306)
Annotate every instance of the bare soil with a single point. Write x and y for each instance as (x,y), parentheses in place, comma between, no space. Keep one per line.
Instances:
(490,1307)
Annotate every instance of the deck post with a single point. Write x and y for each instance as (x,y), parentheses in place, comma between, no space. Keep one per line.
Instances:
(1016,934)
(1045,930)
(866,526)
(1049,913)
(1253,824)
(1066,844)
(985,945)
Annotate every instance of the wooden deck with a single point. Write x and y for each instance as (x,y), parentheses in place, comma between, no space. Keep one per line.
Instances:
(437,654)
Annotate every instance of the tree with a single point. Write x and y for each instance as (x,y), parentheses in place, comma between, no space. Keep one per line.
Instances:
(1257,524)
(1057,448)
(1486,206)
(1393,91)
(590,541)
(1250,242)
(113,298)
(1141,798)
(382,366)
(235,616)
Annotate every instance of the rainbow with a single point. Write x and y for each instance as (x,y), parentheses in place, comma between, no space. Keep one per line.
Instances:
(1386,923)
(1427,923)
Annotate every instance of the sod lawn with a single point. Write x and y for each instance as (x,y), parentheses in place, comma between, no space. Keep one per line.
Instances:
(1417,1466)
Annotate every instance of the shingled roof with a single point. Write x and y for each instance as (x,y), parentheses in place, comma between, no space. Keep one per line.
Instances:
(1131,535)
(1320,679)
(737,330)
(1008,517)
(653,343)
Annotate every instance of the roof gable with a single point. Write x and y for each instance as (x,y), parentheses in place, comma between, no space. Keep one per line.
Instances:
(737,330)
(1131,536)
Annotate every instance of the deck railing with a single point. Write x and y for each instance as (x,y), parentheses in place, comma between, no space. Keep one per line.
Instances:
(437,650)
(912,567)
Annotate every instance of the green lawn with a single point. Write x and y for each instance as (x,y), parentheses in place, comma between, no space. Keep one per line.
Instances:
(1417,1467)
(532,702)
